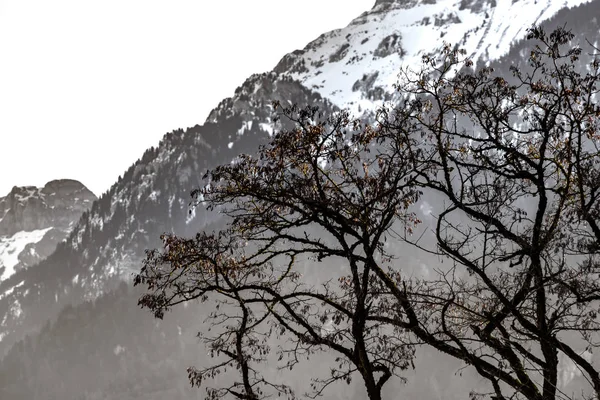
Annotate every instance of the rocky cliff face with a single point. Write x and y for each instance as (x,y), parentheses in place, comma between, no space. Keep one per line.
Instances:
(34,220)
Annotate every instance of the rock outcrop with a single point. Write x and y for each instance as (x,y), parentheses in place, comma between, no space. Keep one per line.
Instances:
(34,220)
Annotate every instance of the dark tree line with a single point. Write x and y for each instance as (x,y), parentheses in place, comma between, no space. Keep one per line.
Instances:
(514,161)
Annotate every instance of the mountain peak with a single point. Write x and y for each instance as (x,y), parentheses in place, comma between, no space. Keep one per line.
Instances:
(356,66)
(64,182)
(34,220)
(69,185)
(21,190)
(64,186)
(28,208)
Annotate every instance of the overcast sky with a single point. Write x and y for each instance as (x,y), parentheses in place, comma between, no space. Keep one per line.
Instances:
(86,86)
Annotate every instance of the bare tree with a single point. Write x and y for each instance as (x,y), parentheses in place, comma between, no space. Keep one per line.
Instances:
(515,161)
(320,192)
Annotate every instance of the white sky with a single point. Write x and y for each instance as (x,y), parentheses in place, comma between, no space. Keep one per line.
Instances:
(86,86)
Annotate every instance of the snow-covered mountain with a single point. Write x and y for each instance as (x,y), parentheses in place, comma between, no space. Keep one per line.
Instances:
(356,67)
(352,67)
(34,220)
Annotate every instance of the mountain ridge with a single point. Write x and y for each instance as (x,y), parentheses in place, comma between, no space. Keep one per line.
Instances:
(109,241)
(357,66)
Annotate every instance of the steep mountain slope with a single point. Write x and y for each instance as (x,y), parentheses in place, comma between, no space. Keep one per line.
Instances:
(34,220)
(350,67)
(152,197)
(356,67)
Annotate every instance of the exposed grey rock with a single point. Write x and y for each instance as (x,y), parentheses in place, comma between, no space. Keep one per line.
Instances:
(447,19)
(288,63)
(340,53)
(400,3)
(58,205)
(367,86)
(391,44)
(476,5)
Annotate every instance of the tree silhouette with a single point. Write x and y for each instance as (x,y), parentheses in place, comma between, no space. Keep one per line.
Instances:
(314,191)
(515,163)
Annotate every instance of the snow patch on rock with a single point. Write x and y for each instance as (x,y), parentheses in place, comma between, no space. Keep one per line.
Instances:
(11,246)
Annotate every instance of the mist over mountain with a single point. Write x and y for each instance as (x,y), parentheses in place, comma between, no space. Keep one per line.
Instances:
(71,328)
